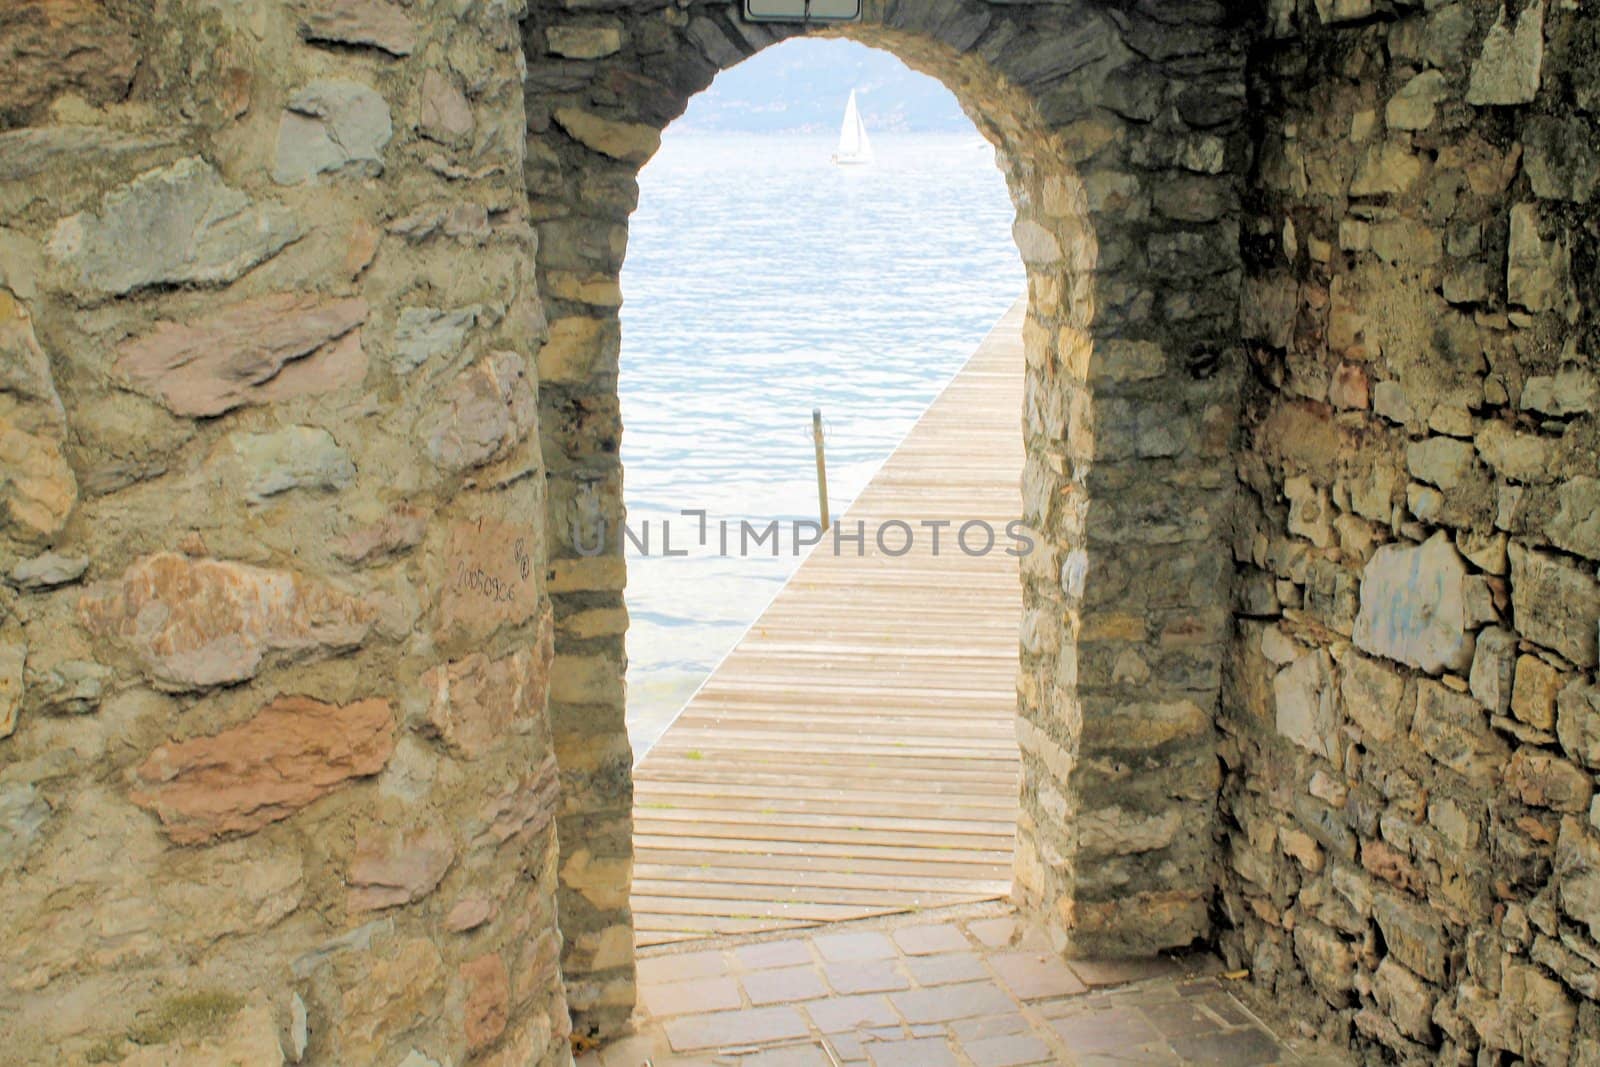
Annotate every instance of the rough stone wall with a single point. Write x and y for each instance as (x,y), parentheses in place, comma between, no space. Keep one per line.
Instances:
(1411,714)
(1121,129)
(275,780)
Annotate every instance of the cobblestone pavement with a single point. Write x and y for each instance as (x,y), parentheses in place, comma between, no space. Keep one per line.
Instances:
(970,990)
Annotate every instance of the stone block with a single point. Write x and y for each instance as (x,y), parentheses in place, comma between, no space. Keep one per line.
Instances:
(293,457)
(178,224)
(1414,106)
(444,114)
(389,870)
(332,126)
(1415,935)
(1492,665)
(376,23)
(199,622)
(1509,66)
(486,412)
(1405,998)
(1533,696)
(1538,271)
(489,579)
(1451,728)
(476,703)
(1571,390)
(1306,710)
(631,142)
(423,333)
(1414,606)
(1578,723)
(583,42)
(488,1002)
(1561,158)
(1441,461)
(258,351)
(50,48)
(1555,604)
(1545,781)
(291,753)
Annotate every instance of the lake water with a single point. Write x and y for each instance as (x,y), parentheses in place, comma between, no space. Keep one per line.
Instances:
(762,281)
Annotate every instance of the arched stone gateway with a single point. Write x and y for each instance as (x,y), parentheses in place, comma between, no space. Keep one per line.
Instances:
(300,300)
(1120,131)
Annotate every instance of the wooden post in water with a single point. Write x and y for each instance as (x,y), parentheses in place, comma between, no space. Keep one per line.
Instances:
(822,465)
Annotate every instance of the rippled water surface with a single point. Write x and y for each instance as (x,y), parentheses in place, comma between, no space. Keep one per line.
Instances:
(762,281)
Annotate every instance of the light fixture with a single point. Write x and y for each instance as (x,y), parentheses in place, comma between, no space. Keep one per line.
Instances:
(802,10)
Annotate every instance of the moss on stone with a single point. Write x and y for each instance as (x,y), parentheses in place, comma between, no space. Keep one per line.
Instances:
(188,1015)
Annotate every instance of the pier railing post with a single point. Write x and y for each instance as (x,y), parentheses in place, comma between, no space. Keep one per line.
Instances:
(822,466)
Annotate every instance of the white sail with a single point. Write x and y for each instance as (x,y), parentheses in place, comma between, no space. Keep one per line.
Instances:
(854,147)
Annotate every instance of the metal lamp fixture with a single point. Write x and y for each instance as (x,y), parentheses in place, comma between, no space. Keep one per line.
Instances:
(802,10)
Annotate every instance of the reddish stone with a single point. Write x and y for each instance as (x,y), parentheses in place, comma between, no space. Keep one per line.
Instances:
(1542,780)
(469,913)
(37,486)
(206,622)
(359,22)
(1391,865)
(487,411)
(360,248)
(295,751)
(489,581)
(48,47)
(475,702)
(255,352)
(397,531)
(488,1000)
(386,873)
(523,810)
(1348,389)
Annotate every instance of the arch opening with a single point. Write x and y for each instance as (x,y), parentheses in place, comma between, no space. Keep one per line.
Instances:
(1121,225)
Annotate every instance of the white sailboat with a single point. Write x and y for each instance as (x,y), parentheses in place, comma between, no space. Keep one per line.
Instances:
(854,147)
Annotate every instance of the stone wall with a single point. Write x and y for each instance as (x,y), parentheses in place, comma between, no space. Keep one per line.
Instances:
(1121,130)
(293,474)
(275,780)
(1410,710)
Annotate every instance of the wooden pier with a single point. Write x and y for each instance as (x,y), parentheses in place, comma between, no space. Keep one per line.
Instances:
(854,755)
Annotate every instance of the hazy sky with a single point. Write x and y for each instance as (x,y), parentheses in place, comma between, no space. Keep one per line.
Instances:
(802,85)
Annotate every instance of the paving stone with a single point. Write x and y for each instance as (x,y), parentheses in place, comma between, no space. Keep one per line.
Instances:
(866,976)
(772,954)
(929,940)
(659,969)
(926,1052)
(1012,1022)
(1237,1048)
(944,1003)
(1109,1030)
(750,1026)
(1225,1008)
(695,995)
(1156,1055)
(811,1055)
(1180,1018)
(841,948)
(995,933)
(849,1048)
(1034,976)
(839,1014)
(782,985)
(1011,1050)
(1120,972)
(942,970)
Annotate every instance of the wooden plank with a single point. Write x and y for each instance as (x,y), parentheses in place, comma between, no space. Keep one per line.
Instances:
(854,755)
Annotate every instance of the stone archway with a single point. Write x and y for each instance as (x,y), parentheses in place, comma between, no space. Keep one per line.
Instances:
(1117,129)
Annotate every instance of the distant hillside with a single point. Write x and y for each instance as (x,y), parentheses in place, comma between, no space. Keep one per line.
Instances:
(801,87)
